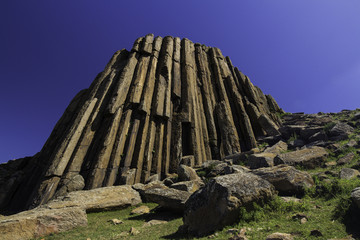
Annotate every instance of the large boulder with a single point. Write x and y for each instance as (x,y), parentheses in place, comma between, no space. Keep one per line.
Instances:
(278,148)
(286,179)
(168,198)
(260,160)
(217,203)
(340,131)
(308,158)
(98,199)
(186,173)
(40,222)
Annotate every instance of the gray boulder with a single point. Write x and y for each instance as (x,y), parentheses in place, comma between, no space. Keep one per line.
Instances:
(260,160)
(168,198)
(349,173)
(286,179)
(217,203)
(278,148)
(188,186)
(340,131)
(346,159)
(308,158)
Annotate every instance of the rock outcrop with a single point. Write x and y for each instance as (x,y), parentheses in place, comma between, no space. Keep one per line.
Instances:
(165,99)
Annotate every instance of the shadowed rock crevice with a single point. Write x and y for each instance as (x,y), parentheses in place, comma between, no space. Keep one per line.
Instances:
(165,99)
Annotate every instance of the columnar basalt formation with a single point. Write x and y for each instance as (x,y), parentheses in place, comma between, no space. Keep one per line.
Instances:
(165,99)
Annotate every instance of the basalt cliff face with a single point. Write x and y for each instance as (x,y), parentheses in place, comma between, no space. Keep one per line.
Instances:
(165,102)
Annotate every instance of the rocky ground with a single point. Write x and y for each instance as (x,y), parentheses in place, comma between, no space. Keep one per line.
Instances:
(302,182)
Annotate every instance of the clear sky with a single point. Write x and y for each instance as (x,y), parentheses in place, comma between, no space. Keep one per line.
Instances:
(305,53)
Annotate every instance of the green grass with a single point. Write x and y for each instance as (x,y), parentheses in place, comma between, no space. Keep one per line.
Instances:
(99,227)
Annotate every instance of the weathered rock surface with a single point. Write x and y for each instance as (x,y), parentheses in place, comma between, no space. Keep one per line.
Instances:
(277,148)
(186,173)
(40,222)
(348,173)
(308,157)
(286,179)
(168,198)
(165,99)
(218,203)
(98,199)
(279,236)
(260,160)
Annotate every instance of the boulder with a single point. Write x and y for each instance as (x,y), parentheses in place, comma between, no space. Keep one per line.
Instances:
(279,236)
(188,186)
(286,179)
(346,159)
(259,160)
(168,198)
(217,203)
(308,158)
(278,148)
(105,198)
(355,196)
(306,133)
(340,131)
(296,143)
(40,222)
(186,173)
(319,136)
(349,173)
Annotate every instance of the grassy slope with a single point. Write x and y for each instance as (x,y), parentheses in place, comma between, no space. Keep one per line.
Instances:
(327,206)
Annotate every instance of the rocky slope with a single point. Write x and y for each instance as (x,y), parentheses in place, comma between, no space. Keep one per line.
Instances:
(165,102)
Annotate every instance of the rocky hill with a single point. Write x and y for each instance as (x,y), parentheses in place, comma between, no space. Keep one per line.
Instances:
(165,100)
(174,123)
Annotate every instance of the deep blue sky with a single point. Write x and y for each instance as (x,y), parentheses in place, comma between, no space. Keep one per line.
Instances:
(305,53)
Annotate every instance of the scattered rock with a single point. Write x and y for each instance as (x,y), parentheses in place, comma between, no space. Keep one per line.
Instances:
(133,231)
(154,222)
(260,160)
(319,136)
(98,199)
(291,199)
(188,186)
(279,236)
(340,131)
(309,158)
(278,148)
(186,173)
(297,143)
(286,179)
(141,210)
(116,221)
(41,221)
(346,159)
(220,199)
(348,173)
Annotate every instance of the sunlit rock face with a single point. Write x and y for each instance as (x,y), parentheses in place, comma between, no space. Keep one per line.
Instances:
(166,99)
